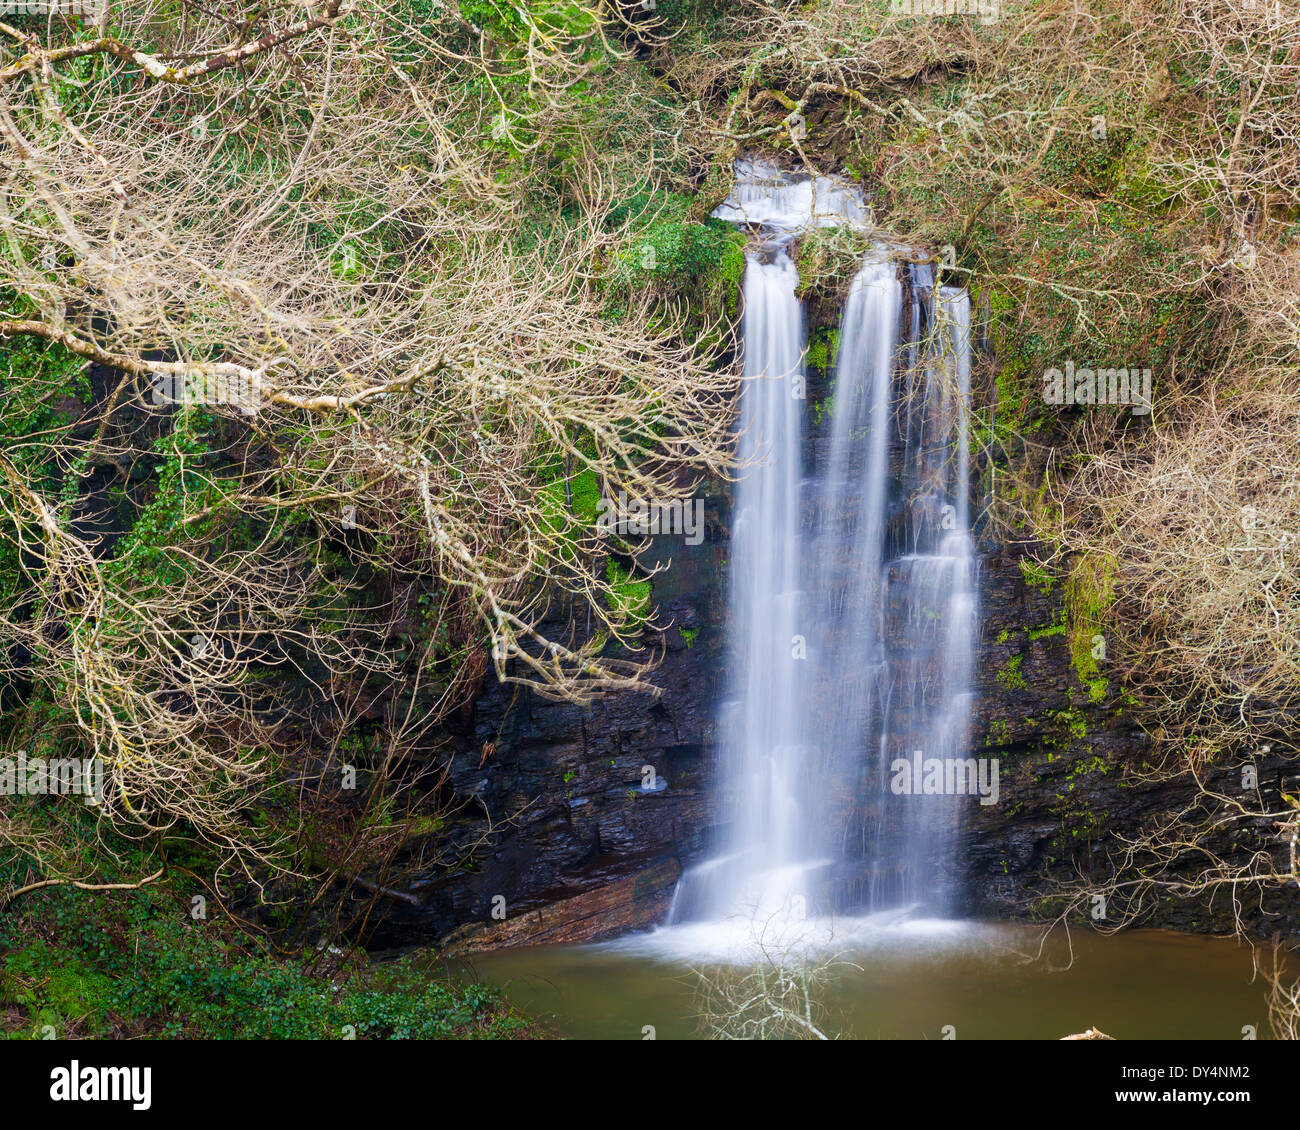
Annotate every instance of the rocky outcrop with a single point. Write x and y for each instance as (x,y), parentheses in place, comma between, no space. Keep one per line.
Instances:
(634,902)
(568,800)
(1074,775)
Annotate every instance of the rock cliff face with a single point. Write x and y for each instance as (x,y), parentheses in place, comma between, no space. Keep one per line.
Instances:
(1072,773)
(576,801)
(589,815)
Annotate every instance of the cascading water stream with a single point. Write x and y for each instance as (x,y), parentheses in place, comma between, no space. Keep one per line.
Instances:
(847,545)
(762,783)
(930,601)
(852,591)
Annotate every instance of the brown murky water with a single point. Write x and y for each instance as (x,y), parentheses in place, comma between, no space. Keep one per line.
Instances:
(978,981)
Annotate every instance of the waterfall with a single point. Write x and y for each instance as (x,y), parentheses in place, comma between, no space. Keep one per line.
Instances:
(847,555)
(766,793)
(762,783)
(929,597)
(852,587)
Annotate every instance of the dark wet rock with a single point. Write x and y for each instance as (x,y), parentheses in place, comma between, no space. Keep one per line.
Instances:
(569,800)
(633,901)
